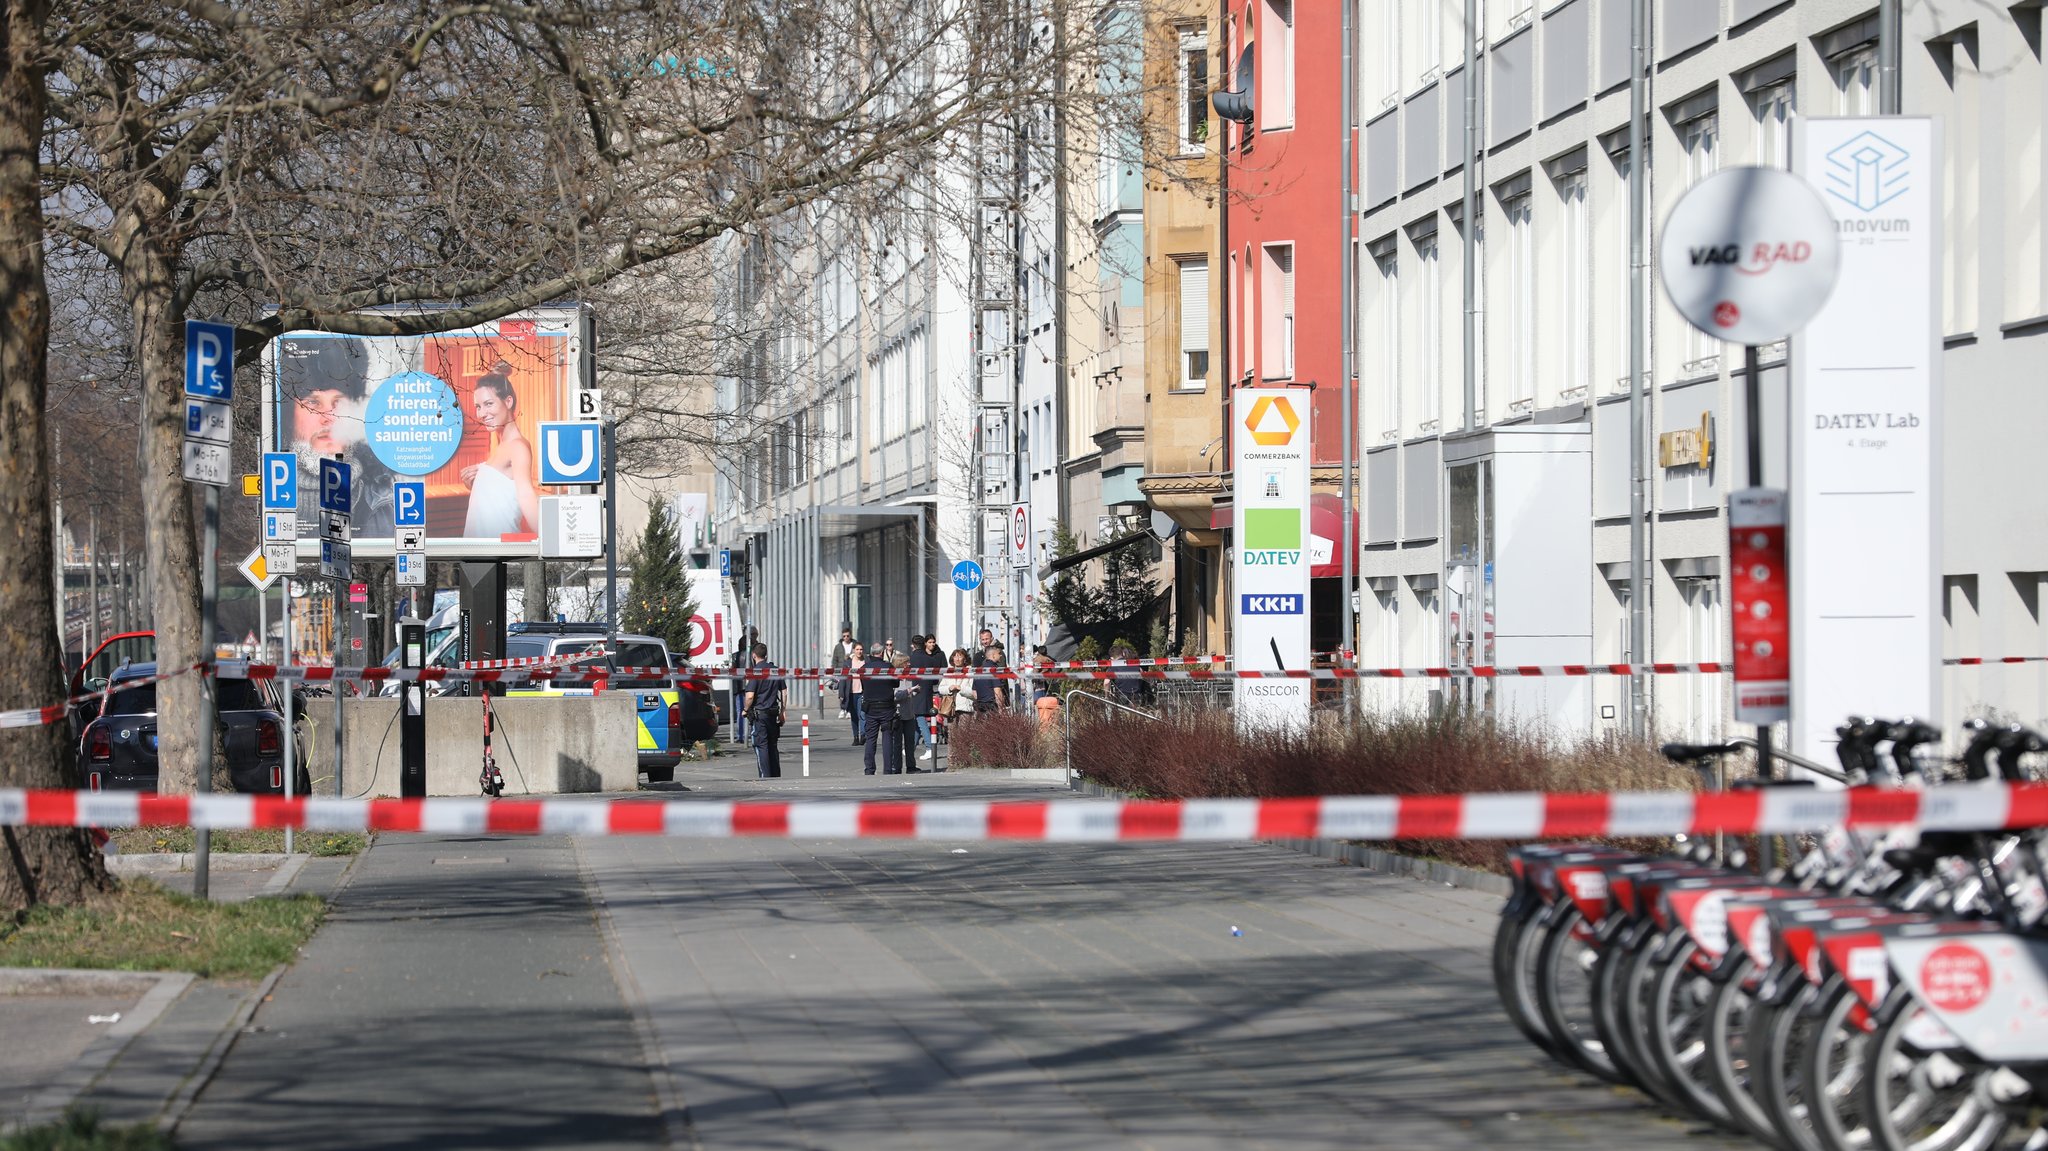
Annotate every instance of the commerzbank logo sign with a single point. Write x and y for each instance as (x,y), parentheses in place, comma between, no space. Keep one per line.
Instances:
(1868,171)
(1272,421)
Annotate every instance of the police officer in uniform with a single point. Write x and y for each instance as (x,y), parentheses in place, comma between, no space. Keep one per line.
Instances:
(764,711)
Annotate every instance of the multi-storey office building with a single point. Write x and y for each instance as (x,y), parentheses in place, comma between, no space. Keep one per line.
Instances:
(1501,534)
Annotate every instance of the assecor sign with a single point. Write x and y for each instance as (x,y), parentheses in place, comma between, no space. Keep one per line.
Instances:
(1749,255)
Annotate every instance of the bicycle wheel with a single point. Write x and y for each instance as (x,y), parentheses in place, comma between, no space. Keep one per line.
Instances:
(1632,983)
(1680,998)
(1922,1092)
(1779,1037)
(1565,967)
(1834,1072)
(1515,943)
(1729,1014)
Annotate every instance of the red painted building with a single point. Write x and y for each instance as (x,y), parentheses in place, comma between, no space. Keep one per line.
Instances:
(1286,235)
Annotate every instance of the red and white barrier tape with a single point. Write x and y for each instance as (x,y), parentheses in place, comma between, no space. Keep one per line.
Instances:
(321,674)
(532,661)
(1524,815)
(1985,661)
(39,716)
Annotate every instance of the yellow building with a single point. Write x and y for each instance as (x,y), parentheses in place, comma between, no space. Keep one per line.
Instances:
(1186,461)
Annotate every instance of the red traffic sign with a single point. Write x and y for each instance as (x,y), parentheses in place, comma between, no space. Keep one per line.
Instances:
(359,593)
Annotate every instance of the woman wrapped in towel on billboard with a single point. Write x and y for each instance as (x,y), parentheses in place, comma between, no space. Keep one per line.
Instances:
(502,497)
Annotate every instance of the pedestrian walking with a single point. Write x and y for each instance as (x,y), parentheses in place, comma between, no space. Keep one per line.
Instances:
(925,663)
(851,686)
(765,710)
(841,652)
(879,731)
(956,688)
(991,692)
(905,689)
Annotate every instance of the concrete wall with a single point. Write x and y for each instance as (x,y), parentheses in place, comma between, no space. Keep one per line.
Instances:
(545,745)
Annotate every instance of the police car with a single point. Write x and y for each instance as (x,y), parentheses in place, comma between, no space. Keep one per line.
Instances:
(671,718)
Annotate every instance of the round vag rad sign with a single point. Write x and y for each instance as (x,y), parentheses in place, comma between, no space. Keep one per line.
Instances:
(1749,255)
(413,423)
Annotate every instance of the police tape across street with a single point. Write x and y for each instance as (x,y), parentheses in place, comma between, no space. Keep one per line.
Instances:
(1371,818)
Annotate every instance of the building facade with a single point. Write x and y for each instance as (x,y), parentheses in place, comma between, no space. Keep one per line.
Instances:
(1501,533)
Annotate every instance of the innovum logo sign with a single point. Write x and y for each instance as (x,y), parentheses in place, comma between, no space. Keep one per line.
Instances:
(1867,171)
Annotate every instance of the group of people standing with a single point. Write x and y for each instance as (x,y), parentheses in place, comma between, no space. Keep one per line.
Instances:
(895,699)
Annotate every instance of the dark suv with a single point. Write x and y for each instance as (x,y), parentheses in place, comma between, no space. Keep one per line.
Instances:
(118,749)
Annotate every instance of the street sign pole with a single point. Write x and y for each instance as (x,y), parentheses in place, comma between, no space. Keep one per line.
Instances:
(209,611)
(611,537)
(209,433)
(291,770)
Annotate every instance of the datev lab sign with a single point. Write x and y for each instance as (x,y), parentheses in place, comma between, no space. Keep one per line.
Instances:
(1749,255)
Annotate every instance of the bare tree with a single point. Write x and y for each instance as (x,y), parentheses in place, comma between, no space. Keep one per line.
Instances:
(40,864)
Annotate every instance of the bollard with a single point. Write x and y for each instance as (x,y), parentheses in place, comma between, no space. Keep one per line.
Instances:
(807,745)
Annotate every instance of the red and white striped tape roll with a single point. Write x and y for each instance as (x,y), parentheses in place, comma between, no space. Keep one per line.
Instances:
(532,661)
(1525,815)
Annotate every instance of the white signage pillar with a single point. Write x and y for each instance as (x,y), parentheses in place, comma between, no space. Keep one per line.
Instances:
(1269,522)
(1865,436)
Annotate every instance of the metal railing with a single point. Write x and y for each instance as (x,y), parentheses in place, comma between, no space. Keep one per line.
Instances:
(1067,719)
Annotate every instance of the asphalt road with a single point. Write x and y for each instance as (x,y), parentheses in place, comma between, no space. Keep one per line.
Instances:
(756,993)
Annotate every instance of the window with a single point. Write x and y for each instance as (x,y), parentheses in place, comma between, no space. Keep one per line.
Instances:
(1856,80)
(1521,300)
(1386,84)
(847,424)
(1699,137)
(1276,70)
(914,375)
(1194,323)
(1575,299)
(1194,90)
(1387,301)
(1773,108)
(1276,312)
(1430,377)
(1423,21)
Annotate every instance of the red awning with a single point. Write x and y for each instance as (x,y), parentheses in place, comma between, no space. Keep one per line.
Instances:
(1326,536)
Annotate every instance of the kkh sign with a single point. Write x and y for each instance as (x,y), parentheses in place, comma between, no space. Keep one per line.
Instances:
(1749,255)
(1270,588)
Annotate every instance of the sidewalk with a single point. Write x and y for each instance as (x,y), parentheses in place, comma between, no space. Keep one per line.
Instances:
(134,1045)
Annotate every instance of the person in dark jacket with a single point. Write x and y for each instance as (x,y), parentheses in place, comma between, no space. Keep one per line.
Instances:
(764,707)
(852,686)
(991,692)
(925,660)
(880,701)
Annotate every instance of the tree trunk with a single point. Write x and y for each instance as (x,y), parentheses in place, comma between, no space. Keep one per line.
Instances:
(49,864)
(157,319)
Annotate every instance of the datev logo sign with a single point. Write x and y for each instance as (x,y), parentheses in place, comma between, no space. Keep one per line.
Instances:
(1867,171)
(1271,604)
(1263,430)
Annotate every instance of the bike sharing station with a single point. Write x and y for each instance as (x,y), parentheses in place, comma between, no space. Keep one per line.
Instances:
(480,448)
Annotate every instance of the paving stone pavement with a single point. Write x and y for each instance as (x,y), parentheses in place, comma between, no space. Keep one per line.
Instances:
(857,994)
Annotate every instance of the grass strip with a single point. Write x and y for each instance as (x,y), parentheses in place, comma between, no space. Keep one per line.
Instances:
(81,1130)
(146,927)
(169,839)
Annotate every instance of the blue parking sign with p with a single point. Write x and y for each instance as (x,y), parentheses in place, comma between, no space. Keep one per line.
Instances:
(334,477)
(280,481)
(209,360)
(409,503)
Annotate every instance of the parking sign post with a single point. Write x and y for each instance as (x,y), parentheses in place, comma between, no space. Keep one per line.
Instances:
(209,434)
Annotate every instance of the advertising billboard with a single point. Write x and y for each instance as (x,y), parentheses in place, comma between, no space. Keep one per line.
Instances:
(458,411)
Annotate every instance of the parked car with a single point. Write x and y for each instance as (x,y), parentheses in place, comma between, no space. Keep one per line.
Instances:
(671,718)
(118,748)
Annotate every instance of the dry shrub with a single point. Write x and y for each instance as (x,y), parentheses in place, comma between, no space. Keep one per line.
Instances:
(1000,739)
(1200,754)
